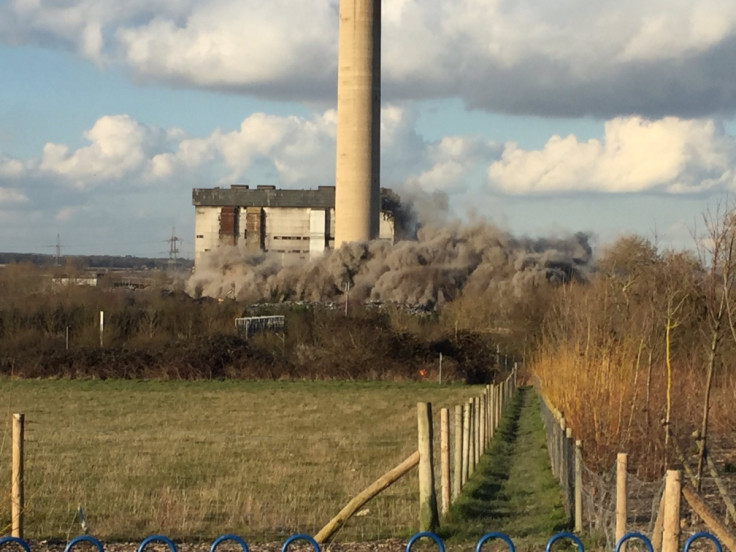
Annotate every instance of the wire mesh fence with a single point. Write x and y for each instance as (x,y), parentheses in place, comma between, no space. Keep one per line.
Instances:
(596,506)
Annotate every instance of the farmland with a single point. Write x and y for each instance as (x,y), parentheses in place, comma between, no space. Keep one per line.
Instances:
(198,459)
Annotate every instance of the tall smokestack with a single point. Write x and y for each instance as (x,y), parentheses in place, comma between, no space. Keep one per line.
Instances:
(358,194)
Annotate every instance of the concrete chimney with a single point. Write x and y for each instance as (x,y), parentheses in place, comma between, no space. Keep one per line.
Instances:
(358,192)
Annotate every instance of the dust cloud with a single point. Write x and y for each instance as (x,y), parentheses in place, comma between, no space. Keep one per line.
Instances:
(439,264)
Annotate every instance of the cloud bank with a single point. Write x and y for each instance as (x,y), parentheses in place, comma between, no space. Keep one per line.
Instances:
(669,155)
(605,59)
(636,155)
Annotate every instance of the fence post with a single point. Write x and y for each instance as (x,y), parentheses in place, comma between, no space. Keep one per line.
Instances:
(621,476)
(445,458)
(492,409)
(457,481)
(671,532)
(499,405)
(570,459)
(428,516)
(489,430)
(561,452)
(466,442)
(17,490)
(482,420)
(477,417)
(471,438)
(578,486)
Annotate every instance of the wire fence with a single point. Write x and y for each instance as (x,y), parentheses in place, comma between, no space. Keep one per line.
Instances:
(594,508)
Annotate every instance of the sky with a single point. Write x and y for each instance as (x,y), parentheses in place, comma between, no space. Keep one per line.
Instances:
(545,119)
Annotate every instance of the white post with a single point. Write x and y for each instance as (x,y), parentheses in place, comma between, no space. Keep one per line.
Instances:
(102,328)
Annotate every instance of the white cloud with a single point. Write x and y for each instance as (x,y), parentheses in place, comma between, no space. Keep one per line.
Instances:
(228,44)
(10,168)
(118,147)
(9,196)
(451,161)
(637,155)
(660,57)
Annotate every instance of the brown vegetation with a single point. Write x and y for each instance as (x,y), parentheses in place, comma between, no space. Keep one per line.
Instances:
(49,330)
(639,358)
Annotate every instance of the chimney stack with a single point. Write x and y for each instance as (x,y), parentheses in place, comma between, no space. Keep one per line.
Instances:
(357,186)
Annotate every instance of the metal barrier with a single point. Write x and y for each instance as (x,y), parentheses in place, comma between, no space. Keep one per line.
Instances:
(224,538)
(300,536)
(20,542)
(702,535)
(84,538)
(428,535)
(633,535)
(489,536)
(157,538)
(425,534)
(564,535)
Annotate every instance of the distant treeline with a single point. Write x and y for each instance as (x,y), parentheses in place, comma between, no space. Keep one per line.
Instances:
(127,262)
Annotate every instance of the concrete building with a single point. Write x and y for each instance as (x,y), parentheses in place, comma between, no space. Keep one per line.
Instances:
(298,224)
(358,200)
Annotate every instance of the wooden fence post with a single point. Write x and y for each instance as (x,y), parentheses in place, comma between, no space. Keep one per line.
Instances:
(428,516)
(476,428)
(560,444)
(471,438)
(489,405)
(17,490)
(499,405)
(671,530)
(383,482)
(482,417)
(500,402)
(621,494)
(466,443)
(570,460)
(492,409)
(445,458)
(578,486)
(457,481)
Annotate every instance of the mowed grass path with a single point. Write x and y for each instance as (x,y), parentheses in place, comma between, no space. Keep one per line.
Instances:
(198,459)
(512,490)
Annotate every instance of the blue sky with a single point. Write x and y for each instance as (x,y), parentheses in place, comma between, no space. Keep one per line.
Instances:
(601,117)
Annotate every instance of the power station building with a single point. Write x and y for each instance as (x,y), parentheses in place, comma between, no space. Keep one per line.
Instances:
(298,224)
(302,224)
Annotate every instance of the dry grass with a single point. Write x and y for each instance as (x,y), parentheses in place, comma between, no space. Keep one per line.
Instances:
(197,459)
(604,400)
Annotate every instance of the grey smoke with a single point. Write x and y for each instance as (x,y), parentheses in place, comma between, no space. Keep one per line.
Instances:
(440,264)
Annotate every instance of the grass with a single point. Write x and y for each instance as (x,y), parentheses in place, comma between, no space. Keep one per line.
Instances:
(198,459)
(512,490)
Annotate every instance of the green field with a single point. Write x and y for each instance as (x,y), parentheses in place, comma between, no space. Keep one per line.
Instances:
(198,459)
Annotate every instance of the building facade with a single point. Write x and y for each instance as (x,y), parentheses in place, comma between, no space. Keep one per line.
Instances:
(298,224)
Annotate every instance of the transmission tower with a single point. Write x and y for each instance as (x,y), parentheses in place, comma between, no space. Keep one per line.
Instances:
(173,250)
(58,250)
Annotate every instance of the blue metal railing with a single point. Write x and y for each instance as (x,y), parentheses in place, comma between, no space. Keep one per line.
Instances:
(9,542)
